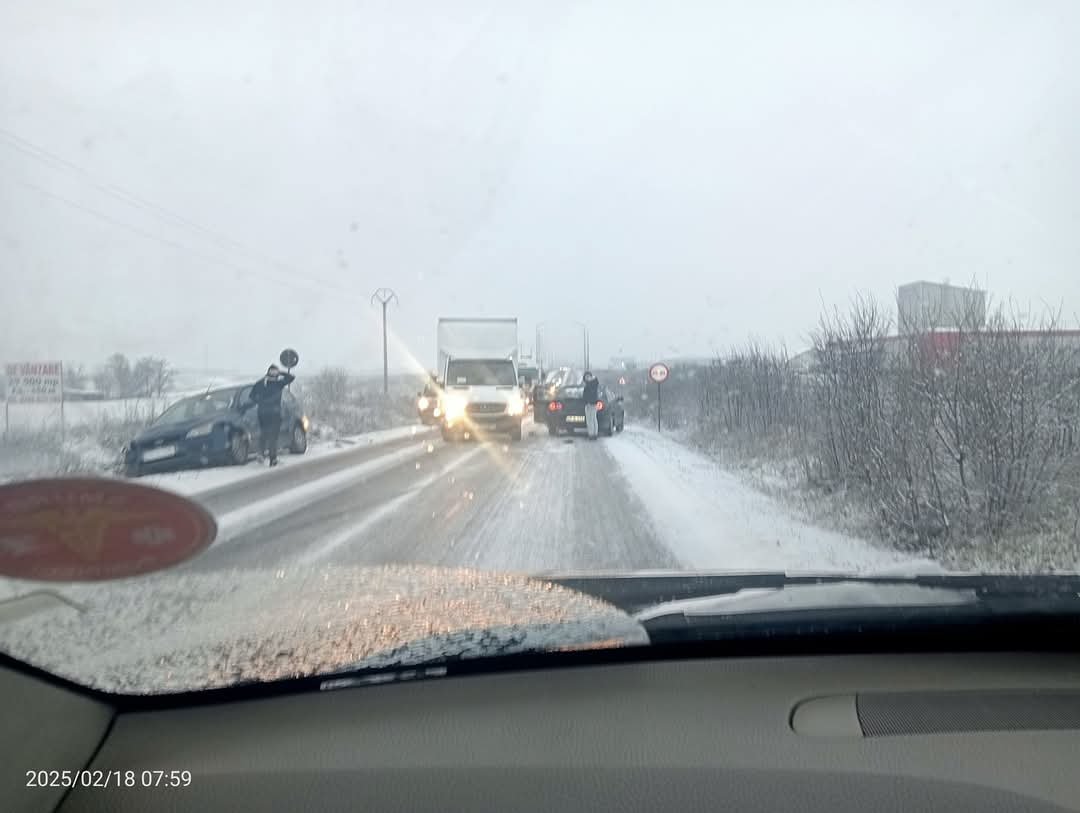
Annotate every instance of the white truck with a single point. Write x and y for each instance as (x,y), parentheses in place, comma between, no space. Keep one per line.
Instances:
(478,364)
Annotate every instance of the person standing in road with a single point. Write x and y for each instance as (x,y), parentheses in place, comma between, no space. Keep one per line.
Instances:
(266,397)
(590,396)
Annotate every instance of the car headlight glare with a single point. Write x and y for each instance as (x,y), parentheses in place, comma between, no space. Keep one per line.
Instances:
(515,406)
(423,403)
(454,408)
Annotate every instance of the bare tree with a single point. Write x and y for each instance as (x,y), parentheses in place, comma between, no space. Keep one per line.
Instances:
(75,376)
(103,382)
(150,377)
(118,370)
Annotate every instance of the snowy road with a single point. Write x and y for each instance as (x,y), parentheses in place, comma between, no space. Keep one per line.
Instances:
(633,502)
(401,540)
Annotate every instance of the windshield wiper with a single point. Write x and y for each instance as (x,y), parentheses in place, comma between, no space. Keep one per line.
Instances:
(850,608)
(633,593)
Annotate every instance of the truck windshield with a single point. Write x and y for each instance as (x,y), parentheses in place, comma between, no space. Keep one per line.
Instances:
(493,372)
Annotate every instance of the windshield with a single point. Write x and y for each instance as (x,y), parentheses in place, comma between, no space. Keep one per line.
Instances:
(821,259)
(196,407)
(481,373)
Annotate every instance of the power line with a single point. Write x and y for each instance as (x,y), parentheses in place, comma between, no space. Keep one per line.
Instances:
(54,161)
(163,240)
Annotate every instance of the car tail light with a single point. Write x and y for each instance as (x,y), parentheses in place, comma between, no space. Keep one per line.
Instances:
(599,406)
(554,406)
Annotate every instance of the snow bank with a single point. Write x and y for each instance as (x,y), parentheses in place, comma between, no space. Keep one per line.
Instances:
(712,521)
(197,481)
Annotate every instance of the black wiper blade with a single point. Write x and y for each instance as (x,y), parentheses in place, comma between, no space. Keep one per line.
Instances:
(984,608)
(634,593)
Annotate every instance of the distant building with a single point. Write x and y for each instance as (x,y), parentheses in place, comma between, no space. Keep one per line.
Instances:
(943,344)
(922,307)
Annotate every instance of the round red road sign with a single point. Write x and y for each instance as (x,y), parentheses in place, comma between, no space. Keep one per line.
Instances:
(659,372)
(85,529)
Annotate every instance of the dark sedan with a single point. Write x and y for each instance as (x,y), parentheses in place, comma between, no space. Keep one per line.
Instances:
(565,411)
(216,427)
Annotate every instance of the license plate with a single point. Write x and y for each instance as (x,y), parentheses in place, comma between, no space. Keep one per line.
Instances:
(159,453)
(575,419)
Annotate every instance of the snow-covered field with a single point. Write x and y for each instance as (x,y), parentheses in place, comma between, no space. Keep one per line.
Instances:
(29,418)
(711,519)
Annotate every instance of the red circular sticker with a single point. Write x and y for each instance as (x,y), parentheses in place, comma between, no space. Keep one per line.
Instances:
(85,529)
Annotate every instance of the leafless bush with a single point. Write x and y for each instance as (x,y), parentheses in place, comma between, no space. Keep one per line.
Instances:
(329,388)
(949,438)
(341,404)
(966,430)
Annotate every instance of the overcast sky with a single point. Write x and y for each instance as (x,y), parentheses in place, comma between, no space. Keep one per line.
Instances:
(233,177)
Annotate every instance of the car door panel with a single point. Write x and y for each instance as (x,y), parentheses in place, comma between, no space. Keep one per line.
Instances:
(249,418)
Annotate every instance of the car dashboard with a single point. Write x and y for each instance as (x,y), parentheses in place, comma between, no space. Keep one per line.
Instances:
(902,732)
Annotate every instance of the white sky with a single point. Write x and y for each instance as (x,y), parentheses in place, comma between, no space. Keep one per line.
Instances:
(677,175)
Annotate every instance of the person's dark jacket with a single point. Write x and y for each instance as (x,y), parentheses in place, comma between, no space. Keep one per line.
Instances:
(592,391)
(266,394)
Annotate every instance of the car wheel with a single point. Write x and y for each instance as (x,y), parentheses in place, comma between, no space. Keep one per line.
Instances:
(552,429)
(515,432)
(238,449)
(619,427)
(298,444)
(609,430)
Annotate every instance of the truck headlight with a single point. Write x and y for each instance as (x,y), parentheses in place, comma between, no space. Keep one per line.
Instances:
(454,408)
(201,431)
(423,403)
(515,406)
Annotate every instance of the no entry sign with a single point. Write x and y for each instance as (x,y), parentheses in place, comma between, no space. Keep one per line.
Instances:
(659,373)
(289,357)
(92,529)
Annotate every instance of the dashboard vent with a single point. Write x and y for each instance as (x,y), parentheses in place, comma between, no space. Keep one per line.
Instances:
(886,714)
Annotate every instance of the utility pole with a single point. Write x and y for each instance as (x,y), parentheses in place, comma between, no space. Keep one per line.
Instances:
(384,296)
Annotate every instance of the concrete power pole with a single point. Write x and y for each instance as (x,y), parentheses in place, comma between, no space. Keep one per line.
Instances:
(384,296)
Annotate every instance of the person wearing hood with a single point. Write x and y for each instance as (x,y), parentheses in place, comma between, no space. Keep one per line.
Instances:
(590,395)
(266,397)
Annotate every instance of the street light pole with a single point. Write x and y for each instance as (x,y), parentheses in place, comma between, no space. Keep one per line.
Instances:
(384,296)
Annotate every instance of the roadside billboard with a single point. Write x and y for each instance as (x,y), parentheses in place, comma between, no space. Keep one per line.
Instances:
(34,382)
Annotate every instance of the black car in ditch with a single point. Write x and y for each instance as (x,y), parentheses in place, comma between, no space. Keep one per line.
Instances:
(564,411)
(212,428)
